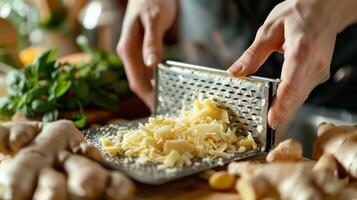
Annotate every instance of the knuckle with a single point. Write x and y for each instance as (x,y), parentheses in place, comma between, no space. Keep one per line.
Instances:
(303,49)
(122,48)
(150,15)
(264,32)
(292,94)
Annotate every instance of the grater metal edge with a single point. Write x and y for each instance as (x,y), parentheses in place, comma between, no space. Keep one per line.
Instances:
(180,84)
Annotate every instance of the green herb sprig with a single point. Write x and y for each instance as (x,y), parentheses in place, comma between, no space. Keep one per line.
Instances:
(47,87)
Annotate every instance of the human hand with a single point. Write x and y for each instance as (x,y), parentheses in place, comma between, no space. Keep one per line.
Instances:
(141,42)
(305,32)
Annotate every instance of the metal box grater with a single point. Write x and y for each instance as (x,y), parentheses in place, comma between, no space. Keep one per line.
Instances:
(178,84)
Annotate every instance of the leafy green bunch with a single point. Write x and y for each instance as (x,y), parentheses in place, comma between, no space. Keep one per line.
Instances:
(46,87)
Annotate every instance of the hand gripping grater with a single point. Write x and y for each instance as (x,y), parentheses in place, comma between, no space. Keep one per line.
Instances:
(178,84)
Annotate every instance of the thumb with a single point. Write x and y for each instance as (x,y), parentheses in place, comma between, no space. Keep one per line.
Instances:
(267,40)
(152,42)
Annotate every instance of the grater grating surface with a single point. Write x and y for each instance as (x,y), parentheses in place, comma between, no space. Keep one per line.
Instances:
(177,84)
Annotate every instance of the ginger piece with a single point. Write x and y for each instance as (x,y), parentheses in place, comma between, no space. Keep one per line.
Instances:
(51,185)
(341,143)
(89,180)
(288,150)
(89,151)
(15,135)
(4,140)
(221,181)
(255,187)
(119,188)
(34,162)
(86,179)
(19,176)
(285,180)
(239,168)
(327,163)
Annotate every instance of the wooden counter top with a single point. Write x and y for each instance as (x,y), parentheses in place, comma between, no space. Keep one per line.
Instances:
(190,188)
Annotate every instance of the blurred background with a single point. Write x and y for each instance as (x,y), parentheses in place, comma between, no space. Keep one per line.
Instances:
(29,27)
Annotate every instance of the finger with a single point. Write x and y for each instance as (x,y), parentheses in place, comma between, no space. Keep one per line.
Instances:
(130,51)
(291,92)
(153,38)
(269,38)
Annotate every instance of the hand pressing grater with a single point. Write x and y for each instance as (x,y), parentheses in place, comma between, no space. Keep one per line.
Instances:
(177,84)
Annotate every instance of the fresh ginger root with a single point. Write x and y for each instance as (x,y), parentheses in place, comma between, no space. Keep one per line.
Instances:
(287,180)
(51,185)
(41,164)
(13,136)
(288,150)
(339,142)
(221,180)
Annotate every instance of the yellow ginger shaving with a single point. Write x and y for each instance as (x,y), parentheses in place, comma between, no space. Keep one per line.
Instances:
(173,141)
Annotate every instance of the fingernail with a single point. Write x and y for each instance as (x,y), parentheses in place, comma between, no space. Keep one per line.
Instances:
(235,69)
(150,59)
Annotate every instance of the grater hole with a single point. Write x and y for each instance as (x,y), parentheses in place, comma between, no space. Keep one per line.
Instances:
(199,85)
(218,83)
(211,93)
(214,88)
(192,83)
(236,87)
(231,92)
(223,90)
(203,81)
(235,98)
(227,85)
(206,86)
(244,89)
(244,100)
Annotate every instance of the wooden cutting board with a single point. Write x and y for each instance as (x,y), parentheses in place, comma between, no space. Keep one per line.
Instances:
(190,188)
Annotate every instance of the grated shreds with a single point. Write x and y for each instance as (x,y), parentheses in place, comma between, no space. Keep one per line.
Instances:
(174,141)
